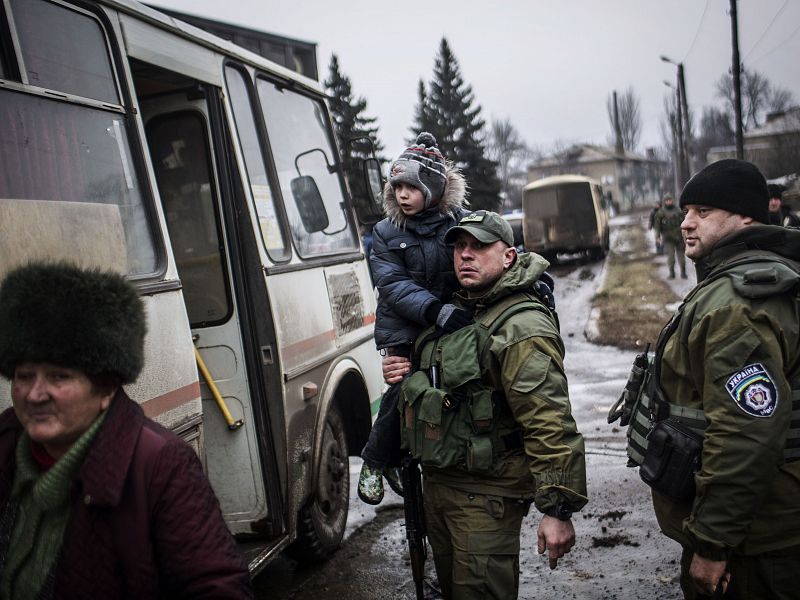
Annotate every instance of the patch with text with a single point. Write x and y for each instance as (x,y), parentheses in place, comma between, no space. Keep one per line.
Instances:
(753,391)
(473,218)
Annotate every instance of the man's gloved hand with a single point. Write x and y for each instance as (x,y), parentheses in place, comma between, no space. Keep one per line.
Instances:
(448,316)
(543,287)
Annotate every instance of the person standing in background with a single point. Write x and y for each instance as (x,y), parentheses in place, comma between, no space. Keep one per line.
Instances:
(667,223)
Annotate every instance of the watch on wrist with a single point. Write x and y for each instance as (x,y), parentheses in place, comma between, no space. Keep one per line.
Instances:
(560,511)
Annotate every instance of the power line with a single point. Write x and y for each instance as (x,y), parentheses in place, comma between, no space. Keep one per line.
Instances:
(697,33)
(764,33)
(785,41)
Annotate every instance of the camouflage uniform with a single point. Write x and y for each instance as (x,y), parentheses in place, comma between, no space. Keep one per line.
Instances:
(474,515)
(667,223)
(733,360)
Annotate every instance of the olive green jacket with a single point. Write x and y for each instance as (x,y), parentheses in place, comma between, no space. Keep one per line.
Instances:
(525,361)
(667,223)
(747,496)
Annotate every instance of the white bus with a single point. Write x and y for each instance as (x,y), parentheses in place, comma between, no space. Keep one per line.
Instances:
(211,177)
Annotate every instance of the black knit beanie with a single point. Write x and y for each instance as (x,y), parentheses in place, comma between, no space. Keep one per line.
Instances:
(423,166)
(83,319)
(733,185)
(775,190)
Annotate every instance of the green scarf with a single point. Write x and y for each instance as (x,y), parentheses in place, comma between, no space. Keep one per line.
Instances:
(42,513)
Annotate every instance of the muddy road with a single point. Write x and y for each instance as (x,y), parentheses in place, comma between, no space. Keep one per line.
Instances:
(620,553)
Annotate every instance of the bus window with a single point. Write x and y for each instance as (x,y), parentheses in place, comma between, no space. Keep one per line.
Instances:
(271,231)
(180,159)
(301,147)
(64,50)
(51,150)
(70,151)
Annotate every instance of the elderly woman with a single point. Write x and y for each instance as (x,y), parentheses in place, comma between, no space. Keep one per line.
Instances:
(96,500)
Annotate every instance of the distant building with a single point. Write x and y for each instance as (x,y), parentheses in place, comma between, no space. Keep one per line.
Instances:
(774,146)
(631,179)
(293,54)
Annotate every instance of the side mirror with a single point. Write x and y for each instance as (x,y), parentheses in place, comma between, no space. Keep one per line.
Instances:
(309,203)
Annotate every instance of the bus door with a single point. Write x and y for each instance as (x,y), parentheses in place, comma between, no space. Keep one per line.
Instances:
(182,148)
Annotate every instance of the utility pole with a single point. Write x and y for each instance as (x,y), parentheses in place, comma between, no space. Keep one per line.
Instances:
(687,130)
(737,84)
(676,178)
(680,165)
(683,117)
(619,148)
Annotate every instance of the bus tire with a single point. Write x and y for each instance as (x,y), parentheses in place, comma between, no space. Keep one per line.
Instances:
(321,522)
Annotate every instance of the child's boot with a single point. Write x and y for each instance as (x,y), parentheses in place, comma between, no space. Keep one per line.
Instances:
(370,484)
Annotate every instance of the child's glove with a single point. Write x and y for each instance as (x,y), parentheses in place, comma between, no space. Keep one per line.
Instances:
(448,316)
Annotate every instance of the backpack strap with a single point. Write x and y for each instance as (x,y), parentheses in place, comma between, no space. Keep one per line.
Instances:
(500,312)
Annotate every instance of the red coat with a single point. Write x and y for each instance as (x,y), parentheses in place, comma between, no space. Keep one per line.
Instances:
(145,522)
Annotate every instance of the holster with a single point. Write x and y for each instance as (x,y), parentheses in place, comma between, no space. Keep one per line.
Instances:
(672,457)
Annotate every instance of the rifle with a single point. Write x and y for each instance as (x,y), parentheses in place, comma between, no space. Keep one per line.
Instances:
(415,520)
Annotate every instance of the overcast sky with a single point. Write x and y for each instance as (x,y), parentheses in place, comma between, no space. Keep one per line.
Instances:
(548,66)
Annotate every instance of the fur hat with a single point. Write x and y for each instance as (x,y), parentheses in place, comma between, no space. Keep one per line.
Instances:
(58,313)
(730,184)
(423,166)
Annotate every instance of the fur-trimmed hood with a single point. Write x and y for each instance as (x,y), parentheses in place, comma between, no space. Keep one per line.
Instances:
(454,197)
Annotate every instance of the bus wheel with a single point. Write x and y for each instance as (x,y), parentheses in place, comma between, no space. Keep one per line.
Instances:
(321,523)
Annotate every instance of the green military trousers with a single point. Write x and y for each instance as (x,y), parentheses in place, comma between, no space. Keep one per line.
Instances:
(675,250)
(475,541)
(768,576)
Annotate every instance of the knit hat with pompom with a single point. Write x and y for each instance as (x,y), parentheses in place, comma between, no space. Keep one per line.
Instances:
(423,166)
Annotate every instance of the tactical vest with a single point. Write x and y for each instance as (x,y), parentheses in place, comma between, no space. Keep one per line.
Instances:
(758,275)
(451,418)
(671,225)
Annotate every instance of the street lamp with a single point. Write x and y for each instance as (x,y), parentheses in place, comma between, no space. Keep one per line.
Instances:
(681,172)
(684,107)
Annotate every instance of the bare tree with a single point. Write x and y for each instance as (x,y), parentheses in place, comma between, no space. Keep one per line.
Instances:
(715,130)
(779,99)
(759,97)
(630,118)
(506,147)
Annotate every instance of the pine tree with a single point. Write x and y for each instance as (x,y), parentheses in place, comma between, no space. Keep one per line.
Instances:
(423,119)
(447,109)
(350,122)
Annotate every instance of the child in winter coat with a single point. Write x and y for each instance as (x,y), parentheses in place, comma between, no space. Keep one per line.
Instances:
(412,268)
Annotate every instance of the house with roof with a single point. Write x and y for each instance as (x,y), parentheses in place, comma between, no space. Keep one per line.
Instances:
(773,147)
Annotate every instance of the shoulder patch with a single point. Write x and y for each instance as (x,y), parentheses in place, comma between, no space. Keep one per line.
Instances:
(753,391)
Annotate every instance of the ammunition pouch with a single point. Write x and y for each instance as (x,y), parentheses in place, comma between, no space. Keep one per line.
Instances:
(643,415)
(672,457)
(624,406)
(636,407)
(448,429)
